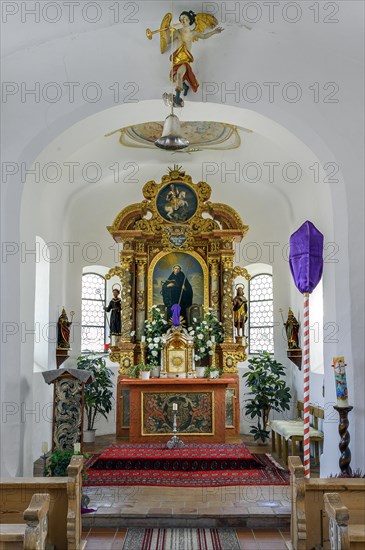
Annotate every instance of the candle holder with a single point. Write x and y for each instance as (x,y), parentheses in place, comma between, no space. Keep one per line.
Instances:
(143,352)
(345,458)
(175,442)
(44,456)
(213,362)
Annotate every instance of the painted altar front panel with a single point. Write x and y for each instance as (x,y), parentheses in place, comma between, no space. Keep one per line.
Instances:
(195,412)
(201,409)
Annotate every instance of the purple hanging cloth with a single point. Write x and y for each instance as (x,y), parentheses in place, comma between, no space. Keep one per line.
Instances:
(176,315)
(306,257)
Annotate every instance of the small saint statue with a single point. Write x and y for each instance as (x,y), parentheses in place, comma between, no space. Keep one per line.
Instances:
(240,311)
(115,307)
(292,331)
(63,330)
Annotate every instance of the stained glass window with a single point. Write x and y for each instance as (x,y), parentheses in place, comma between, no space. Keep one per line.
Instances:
(261,318)
(93,315)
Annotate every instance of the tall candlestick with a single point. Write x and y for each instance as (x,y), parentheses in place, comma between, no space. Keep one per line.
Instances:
(77,448)
(143,338)
(213,338)
(44,447)
(341,383)
(174,406)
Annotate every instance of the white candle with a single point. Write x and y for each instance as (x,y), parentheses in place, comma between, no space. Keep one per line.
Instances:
(44,447)
(213,339)
(143,339)
(340,380)
(77,448)
(174,406)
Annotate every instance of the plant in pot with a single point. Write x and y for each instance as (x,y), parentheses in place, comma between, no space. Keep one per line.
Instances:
(135,370)
(57,467)
(268,392)
(146,371)
(98,395)
(212,372)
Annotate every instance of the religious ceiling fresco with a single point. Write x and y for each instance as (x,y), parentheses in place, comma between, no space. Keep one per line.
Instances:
(200,134)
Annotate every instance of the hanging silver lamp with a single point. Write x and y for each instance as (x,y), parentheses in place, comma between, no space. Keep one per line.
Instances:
(171,139)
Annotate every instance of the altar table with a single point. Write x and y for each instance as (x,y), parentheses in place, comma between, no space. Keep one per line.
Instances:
(208,410)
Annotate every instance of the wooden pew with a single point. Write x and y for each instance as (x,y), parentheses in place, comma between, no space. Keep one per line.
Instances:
(346,526)
(284,430)
(309,521)
(31,535)
(64,516)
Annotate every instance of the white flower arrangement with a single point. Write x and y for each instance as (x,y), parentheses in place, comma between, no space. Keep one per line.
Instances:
(155,327)
(202,333)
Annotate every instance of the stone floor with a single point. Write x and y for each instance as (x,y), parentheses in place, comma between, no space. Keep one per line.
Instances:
(236,506)
(244,507)
(250,539)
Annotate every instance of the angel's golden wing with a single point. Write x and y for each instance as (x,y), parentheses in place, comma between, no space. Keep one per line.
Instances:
(165,23)
(204,20)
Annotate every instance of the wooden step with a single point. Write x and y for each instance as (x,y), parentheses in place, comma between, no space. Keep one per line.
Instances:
(357,533)
(12,536)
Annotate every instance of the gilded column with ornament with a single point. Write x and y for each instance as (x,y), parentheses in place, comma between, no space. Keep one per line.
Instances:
(214,284)
(140,297)
(127,299)
(227,297)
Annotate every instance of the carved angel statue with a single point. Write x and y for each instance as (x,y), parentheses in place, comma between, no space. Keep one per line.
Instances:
(182,74)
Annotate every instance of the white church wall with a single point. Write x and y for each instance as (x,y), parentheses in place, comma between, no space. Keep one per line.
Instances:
(271,51)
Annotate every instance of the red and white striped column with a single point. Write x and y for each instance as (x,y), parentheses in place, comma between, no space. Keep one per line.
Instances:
(306,371)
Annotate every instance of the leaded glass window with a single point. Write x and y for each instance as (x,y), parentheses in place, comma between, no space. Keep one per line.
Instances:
(93,315)
(261,318)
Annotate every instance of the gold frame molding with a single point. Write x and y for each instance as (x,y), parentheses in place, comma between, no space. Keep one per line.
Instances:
(163,253)
(182,433)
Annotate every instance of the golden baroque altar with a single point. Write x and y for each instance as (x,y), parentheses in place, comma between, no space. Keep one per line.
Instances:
(177,226)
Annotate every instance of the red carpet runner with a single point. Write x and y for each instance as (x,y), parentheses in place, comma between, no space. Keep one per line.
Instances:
(181,539)
(196,465)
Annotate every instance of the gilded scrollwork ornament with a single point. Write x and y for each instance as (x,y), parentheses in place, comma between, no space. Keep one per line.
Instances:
(241,272)
(114,356)
(67,413)
(126,297)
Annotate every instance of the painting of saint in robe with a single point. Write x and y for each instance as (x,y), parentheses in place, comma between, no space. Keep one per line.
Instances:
(177,290)
(178,279)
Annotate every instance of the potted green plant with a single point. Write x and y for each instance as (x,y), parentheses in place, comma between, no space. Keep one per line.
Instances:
(268,392)
(212,372)
(146,371)
(57,467)
(135,370)
(98,395)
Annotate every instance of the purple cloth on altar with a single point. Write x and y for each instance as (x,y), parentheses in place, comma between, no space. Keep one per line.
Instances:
(306,257)
(176,315)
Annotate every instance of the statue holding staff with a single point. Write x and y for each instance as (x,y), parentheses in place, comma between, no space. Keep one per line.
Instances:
(240,311)
(115,307)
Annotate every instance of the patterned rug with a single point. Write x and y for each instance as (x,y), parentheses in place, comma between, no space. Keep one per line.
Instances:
(196,465)
(181,539)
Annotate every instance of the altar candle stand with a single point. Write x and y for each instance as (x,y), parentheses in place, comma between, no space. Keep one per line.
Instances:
(213,363)
(175,442)
(44,455)
(343,409)
(143,349)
